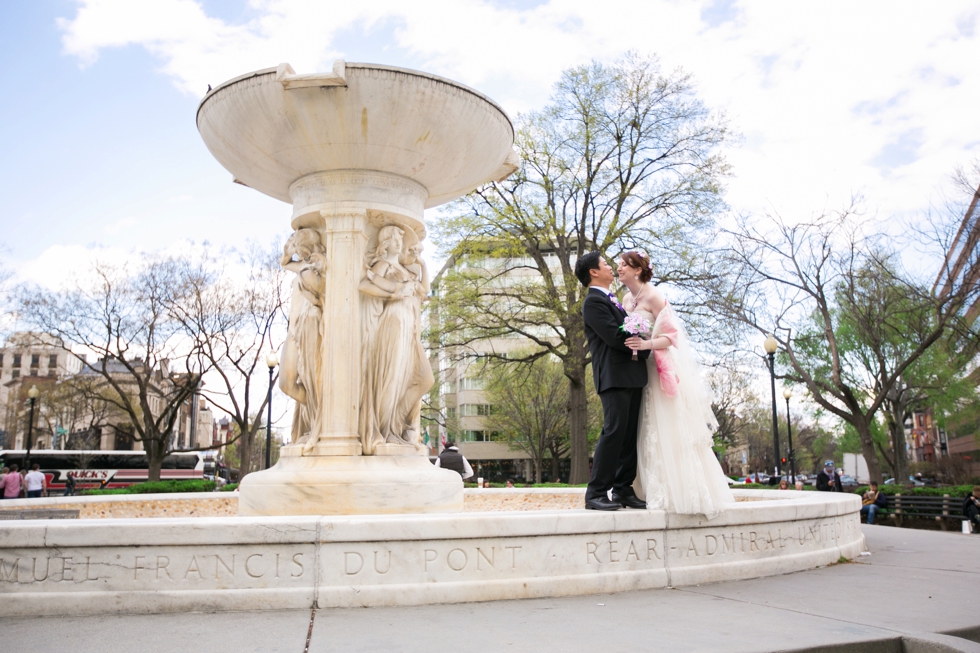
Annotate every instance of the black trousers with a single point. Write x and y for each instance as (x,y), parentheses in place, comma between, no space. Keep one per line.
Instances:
(614,462)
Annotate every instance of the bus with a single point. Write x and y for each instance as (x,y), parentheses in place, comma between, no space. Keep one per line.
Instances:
(107,469)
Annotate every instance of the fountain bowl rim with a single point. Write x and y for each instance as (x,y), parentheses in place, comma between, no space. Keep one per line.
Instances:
(352,64)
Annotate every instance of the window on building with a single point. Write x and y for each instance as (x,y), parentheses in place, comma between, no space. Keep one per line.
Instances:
(474,410)
(15,374)
(1,360)
(480,436)
(53,360)
(451,412)
(35,360)
(471,384)
(16,360)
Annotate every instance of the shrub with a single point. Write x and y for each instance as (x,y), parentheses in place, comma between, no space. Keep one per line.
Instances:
(952,490)
(158,487)
(230,487)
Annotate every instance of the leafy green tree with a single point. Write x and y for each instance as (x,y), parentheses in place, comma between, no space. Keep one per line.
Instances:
(937,381)
(851,323)
(530,410)
(623,157)
(233,453)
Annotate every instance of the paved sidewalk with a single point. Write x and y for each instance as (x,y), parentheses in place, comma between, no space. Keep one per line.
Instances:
(914,585)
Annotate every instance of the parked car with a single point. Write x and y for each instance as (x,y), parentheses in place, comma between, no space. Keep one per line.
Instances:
(913,481)
(848,483)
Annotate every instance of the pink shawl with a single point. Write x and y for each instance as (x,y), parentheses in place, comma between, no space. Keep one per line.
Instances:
(665,362)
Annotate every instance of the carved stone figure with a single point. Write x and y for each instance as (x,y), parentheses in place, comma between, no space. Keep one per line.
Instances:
(300,374)
(396,372)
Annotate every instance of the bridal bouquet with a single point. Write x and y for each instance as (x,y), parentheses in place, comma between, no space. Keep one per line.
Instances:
(636,325)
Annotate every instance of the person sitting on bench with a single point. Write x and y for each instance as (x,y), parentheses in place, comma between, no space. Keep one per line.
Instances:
(872,502)
(971,508)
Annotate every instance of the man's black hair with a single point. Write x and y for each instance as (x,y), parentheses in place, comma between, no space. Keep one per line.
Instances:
(450,444)
(587,262)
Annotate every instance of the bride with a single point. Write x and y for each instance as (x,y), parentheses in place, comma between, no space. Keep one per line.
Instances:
(677,470)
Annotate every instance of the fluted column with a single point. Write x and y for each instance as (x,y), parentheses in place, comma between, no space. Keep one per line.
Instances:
(344,239)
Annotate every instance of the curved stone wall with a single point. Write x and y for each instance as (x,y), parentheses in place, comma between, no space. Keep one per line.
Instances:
(236,563)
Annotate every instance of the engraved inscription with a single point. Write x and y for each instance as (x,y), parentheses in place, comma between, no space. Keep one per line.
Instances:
(197,567)
(615,550)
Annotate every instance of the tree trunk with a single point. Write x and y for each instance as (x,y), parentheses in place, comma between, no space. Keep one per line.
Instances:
(154,458)
(244,452)
(578,422)
(863,427)
(555,471)
(898,442)
(538,469)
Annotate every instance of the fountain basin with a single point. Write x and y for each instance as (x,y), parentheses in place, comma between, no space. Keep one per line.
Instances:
(250,563)
(271,128)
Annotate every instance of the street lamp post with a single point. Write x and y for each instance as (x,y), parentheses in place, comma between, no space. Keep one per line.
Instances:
(770,346)
(32,395)
(272,361)
(787,393)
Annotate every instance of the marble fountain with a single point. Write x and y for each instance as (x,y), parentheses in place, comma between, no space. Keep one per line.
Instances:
(354,514)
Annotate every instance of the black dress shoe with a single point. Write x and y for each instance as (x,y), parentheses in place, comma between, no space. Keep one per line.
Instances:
(602,503)
(631,501)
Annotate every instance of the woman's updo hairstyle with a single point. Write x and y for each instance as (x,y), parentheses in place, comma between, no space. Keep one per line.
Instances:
(636,259)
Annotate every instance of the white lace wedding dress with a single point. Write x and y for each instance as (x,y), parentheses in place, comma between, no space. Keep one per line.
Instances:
(677,470)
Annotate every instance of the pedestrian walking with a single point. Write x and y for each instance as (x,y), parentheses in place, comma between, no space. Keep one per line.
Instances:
(70,485)
(12,483)
(36,483)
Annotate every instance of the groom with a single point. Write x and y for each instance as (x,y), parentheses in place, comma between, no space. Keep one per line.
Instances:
(619,380)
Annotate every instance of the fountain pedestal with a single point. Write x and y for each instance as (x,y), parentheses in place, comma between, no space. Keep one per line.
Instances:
(350,485)
(360,153)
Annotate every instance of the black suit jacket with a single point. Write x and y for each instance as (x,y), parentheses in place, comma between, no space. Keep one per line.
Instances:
(612,361)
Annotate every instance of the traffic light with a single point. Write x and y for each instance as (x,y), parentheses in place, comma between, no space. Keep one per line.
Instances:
(782,460)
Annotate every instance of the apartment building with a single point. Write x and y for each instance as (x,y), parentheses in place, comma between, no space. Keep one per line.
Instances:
(462,398)
(66,420)
(29,359)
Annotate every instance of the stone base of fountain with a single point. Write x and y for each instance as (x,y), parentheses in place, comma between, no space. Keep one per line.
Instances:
(109,566)
(351,485)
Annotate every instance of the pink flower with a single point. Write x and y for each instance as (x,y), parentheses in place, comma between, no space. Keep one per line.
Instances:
(636,325)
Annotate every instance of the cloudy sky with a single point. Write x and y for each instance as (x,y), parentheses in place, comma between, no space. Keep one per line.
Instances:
(99,150)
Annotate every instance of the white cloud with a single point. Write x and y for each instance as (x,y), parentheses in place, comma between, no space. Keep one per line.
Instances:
(62,266)
(119,225)
(833,98)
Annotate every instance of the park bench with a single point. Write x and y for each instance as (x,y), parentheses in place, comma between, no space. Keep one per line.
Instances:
(39,513)
(943,509)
